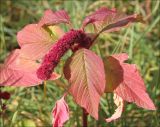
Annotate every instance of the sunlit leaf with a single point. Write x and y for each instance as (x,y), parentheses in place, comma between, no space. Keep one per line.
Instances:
(110,20)
(122,22)
(35,41)
(19,71)
(52,18)
(85,72)
(97,16)
(129,84)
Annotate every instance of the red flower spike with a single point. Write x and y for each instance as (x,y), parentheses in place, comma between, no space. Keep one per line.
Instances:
(51,59)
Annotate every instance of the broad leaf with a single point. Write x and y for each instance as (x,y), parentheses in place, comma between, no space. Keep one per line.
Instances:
(130,86)
(17,77)
(85,72)
(35,41)
(52,18)
(60,113)
(19,71)
(120,104)
(110,20)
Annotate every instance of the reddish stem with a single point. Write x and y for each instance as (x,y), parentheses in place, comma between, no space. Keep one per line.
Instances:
(85,115)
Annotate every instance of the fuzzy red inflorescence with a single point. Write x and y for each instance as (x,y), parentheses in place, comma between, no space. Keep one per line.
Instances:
(53,57)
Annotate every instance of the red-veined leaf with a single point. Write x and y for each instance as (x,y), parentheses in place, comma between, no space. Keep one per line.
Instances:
(120,104)
(19,71)
(35,41)
(99,15)
(52,18)
(85,72)
(17,77)
(60,113)
(110,20)
(131,86)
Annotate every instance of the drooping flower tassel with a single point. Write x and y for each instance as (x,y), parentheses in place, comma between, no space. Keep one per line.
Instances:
(53,57)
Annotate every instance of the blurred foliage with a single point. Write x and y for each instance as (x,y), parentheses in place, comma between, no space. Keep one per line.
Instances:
(29,107)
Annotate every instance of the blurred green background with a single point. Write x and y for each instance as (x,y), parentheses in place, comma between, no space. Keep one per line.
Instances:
(28,107)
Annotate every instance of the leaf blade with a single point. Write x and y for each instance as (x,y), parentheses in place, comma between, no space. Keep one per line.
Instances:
(35,41)
(53,18)
(132,87)
(19,71)
(87,79)
(110,20)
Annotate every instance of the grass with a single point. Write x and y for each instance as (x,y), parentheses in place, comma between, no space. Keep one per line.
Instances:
(28,107)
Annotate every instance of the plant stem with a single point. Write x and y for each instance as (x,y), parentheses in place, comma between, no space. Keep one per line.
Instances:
(1,114)
(85,115)
(44,83)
